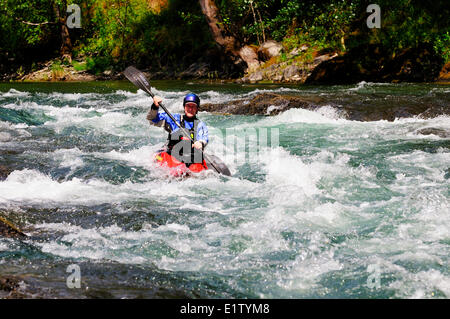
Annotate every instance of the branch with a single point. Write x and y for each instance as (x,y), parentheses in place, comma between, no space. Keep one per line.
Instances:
(254,18)
(36,24)
(120,22)
(262,25)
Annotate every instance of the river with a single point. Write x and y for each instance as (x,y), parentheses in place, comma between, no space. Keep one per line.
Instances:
(324,207)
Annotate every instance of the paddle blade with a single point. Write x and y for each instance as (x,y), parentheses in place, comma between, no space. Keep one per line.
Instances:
(217,164)
(138,78)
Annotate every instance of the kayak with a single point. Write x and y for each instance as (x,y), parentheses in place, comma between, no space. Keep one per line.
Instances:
(138,78)
(177,168)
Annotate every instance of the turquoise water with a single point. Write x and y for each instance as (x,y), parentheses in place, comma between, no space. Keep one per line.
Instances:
(324,207)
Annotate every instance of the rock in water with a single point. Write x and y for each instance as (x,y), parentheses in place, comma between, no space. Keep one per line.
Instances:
(4,172)
(11,288)
(273,104)
(261,104)
(8,284)
(7,229)
(434,131)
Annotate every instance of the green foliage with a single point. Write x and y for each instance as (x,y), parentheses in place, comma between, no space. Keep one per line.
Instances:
(127,32)
(97,64)
(57,70)
(247,20)
(19,35)
(176,37)
(56,66)
(326,21)
(283,57)
(29,32)
(79,66)
(442,45)
(117,33)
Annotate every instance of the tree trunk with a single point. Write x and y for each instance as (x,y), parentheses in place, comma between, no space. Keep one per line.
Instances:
(66,43)
(230,45)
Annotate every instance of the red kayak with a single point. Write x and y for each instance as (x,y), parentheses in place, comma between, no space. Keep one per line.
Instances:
(177,168)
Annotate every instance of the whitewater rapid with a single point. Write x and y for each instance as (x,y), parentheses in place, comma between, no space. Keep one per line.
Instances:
(307,214)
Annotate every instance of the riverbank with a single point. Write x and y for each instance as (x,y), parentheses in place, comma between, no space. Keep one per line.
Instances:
(270,63)
(369,63)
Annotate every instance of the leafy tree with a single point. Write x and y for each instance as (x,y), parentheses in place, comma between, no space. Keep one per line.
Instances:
(116,33)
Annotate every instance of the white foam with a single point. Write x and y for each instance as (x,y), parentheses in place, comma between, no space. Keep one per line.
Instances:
(328,114)
(73,96)
(14,93)
(69,157)
(323,115)
(364,85)
(419,256)
(421,285)
(34,187)
(66,227)
(13,133)
(284,169)
(5,137)
(130,94)
(4,247)
(359,86)
(112,243)
(309,265)
(140,157)
(176,228)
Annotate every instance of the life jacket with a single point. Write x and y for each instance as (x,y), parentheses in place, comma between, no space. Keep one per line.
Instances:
(178,142)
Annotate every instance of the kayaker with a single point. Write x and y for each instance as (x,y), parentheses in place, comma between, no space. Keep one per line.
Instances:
(178,145)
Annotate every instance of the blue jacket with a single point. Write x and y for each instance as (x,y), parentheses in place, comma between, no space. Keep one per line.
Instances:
(162,119)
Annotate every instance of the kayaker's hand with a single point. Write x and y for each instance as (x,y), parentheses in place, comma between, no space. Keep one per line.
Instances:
(157,100)
(198,145)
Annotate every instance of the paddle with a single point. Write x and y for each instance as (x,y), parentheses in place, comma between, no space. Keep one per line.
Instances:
(138,78)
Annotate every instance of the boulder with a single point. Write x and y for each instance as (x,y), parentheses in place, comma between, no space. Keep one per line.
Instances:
(8,287)
(4,172)
(444,75)
(195,71)
(243,80)
(420,64)
(248,54)
(269,49)
(8,283)
(255,77)
(335,71)
(273,73)
(261,104)
(272,104)
(297,51)
(292,73)
(11,287)
(277,77)
(323,57)
(371,63)
(434,131)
